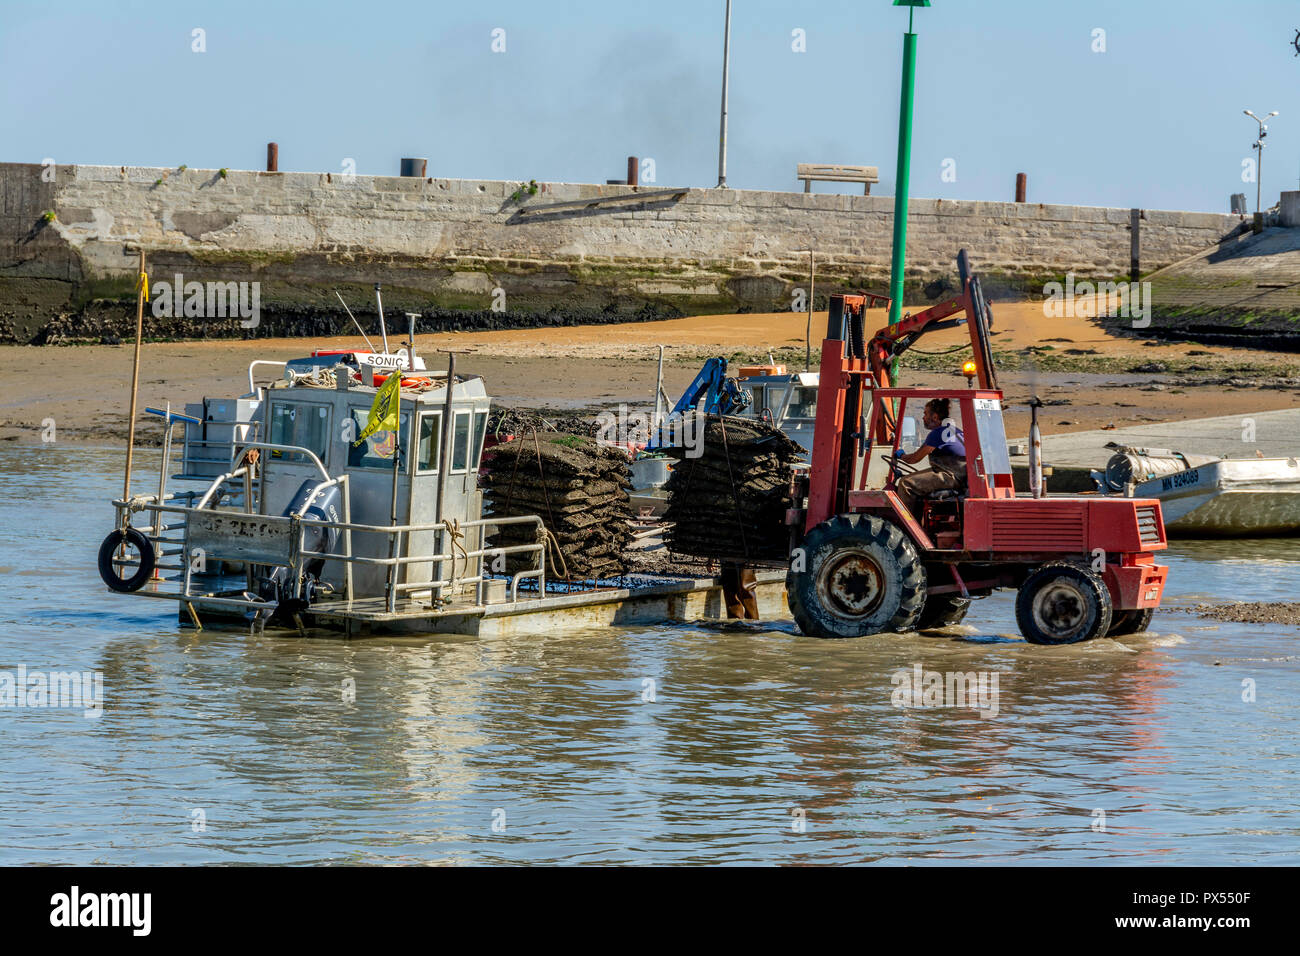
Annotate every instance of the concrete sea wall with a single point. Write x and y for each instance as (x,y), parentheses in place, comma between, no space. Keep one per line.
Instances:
(444,247)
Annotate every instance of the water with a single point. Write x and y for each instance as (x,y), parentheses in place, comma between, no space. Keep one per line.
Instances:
(753,732)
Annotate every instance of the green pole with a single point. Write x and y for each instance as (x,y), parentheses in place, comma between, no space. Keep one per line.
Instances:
(904,176)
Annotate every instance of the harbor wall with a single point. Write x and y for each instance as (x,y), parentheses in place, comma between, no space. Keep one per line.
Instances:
(483,254)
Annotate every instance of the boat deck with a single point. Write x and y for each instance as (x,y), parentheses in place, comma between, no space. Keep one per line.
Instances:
(646,602)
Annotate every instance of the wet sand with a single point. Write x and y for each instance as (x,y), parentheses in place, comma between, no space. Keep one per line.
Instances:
(85,389)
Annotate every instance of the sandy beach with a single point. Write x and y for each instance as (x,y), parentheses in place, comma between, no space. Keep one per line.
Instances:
(1091,378)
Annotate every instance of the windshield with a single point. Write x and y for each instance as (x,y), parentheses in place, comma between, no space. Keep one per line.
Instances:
(993,436)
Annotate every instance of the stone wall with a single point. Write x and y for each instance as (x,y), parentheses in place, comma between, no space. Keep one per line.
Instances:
(443,246)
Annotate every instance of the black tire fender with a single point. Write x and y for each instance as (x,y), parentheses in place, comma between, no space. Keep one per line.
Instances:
(148,560)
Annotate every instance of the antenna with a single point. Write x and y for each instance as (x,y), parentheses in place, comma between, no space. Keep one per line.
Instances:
(410,338)
(354,321)
(383,330)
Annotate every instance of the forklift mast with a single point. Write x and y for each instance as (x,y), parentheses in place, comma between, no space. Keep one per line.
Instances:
(852,364)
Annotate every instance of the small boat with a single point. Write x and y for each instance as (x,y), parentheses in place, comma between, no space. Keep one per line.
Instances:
(1234,497)
(1210,497)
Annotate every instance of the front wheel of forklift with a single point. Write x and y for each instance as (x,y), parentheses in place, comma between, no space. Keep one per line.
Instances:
(856,575)
(1063,603)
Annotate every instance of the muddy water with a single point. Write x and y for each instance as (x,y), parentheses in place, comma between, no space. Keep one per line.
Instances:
(759,745)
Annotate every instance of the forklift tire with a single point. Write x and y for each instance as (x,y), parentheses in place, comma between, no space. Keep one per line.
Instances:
(1062,603)
(942,610)
(1130,622)
(860,575)
(108,571)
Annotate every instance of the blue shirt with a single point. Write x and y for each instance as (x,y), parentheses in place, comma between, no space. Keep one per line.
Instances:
(955,444)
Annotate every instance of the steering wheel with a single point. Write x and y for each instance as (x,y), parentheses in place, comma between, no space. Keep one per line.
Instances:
(898,466)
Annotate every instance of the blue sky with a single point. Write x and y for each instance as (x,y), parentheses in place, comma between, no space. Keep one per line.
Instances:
(1004,86)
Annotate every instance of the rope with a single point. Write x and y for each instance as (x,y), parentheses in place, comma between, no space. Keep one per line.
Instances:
(546,496)
(316,378)
(735,494)
(455,535)
(549,538)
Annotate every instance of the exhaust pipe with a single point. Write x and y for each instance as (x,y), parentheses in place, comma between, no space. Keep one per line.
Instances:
(1036,489)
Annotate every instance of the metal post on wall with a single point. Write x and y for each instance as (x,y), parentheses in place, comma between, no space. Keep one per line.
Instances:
(272,157)
(812,288)
(1135,244)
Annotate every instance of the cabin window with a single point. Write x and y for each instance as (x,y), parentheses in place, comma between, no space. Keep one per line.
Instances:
(480,432)
(299,423)
(803,404)
(430,443)
(460,442)
(376,451)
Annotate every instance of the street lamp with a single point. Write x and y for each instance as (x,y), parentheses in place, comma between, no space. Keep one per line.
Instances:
(1259,147)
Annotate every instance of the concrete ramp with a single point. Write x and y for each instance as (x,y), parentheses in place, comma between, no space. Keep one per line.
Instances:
(1248,285)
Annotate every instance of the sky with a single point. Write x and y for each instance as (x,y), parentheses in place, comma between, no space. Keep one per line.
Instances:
(1003,86)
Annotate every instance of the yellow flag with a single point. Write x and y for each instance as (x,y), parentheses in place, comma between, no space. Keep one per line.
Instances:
(383,414)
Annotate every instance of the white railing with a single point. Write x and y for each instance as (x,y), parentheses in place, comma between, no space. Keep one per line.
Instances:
(295,559)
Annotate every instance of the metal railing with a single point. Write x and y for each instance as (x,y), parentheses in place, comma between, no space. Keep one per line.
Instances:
(296,556)
(252,386)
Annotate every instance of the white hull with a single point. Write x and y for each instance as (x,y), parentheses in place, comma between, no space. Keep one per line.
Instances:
(1237,497)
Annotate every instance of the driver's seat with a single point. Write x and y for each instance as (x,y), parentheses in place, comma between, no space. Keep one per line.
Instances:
(941,515)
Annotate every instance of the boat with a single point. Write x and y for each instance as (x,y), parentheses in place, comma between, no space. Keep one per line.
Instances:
(1210,497)
(295,521)
(1232,497)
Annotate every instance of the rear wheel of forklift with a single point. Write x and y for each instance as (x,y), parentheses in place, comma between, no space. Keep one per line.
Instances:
(1063,603)
(856,575)
(1130,622)
(942,610)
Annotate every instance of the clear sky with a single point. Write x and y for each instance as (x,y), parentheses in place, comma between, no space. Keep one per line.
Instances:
(1004,86)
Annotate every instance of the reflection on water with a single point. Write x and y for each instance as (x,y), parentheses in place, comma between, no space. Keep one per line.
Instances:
(545,749)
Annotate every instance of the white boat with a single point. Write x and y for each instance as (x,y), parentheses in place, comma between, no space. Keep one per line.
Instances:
(1238,497)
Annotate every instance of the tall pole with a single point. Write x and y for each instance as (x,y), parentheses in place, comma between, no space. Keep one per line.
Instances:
(135,375)
(722,134)
(904,176)
(395,538)
(1259,171)
(659,393)
(807,339)
(1259,163)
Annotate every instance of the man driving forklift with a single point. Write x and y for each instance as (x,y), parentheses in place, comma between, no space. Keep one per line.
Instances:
(945,445)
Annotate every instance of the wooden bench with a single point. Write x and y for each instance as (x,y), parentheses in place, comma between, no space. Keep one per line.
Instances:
(826,173)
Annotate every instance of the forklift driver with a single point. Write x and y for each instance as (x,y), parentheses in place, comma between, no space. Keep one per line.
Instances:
(946,447)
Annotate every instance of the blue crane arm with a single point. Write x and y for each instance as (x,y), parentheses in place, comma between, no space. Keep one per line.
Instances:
(707,386)
(718,394)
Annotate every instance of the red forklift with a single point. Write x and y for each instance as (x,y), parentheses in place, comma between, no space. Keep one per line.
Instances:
(863,563)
